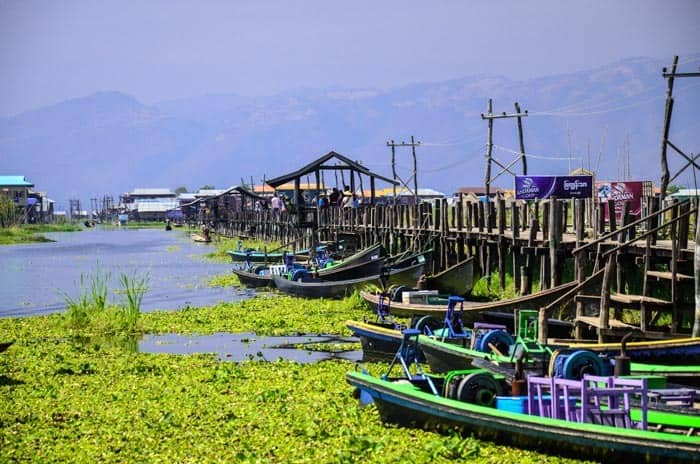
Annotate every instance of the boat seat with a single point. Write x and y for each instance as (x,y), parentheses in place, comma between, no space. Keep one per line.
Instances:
(684,397)
(539,396)
(570,392)
(278,269)
(606,401)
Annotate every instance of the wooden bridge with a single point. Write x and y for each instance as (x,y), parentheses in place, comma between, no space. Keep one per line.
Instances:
(634,276)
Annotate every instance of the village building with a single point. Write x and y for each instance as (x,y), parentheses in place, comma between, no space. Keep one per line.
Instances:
(149,204)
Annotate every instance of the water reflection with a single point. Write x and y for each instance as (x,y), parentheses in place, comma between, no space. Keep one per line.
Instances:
(249,346)
(33,276)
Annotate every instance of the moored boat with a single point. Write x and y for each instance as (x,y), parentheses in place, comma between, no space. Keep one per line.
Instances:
(471,308)
(309,287)
(200,238)
(455,280)
(411,402)
(256,256)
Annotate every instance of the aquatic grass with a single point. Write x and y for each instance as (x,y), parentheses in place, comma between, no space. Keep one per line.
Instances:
(91,299)
(90,312)
(134,289)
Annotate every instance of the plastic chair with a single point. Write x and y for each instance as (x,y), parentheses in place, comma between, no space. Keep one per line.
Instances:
(537,388)
(609,404)
(569,391)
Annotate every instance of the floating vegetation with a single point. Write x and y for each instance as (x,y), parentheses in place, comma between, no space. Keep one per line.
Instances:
(224,280)
(31,233)
(264,314)
(63,401)
(172,248)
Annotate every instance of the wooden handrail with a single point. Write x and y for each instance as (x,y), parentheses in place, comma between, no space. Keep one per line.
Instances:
(649,232)
(628,226)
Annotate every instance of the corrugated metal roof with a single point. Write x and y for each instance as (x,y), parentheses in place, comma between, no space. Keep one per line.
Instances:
(686,193)
(156,206)
(152,191)
(209,192)
(422,192)
(15,181)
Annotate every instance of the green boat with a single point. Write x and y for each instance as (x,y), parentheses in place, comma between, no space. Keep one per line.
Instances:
(597,424)
(412,404)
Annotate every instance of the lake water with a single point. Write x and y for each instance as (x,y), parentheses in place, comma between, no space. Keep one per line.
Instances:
(249,346)
(33,277)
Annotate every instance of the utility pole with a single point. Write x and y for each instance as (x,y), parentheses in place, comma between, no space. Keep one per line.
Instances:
(393,166)
(667,126)
(488,179)
(520,137)
(413,144)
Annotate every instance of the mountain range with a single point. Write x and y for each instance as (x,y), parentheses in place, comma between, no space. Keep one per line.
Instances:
(607,119)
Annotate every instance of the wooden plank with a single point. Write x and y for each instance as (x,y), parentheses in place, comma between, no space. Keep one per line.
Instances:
(612,323)
(669,275)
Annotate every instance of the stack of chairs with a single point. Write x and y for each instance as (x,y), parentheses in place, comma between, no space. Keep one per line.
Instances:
(594,399)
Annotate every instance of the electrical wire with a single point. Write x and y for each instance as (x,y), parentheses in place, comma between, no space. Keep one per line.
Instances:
(534,156)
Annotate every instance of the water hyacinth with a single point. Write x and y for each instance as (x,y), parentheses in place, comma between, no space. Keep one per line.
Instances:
(64,399)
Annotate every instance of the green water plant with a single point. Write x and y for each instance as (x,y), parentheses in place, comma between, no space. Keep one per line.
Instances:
(91,300)
(90,313)
(135,287)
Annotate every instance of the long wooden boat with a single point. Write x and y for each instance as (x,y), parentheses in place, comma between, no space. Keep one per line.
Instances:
(200,238)
(445,357)
(353,270)
(370,253)
(253,279)
(261,256)
(318,288)
(410,403)
(471,308)
(381,342)
(672,351)
(455,280)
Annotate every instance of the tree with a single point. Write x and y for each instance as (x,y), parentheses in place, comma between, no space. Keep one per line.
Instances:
(8,212)
(181,189)
(207,187)
(672,189)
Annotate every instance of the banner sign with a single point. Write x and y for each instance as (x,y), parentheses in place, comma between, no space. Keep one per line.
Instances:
(620,192)
(539,187)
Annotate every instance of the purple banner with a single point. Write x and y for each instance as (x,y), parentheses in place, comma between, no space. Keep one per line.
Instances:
(539,187)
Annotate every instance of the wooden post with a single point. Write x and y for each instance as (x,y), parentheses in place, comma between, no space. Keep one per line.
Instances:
(605,298)
(675,319)
(515,245)
(501,242)
(579,260)
(554,241)
(526,289)
(696,267)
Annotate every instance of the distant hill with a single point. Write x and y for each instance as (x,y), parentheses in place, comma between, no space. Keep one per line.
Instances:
(110,143)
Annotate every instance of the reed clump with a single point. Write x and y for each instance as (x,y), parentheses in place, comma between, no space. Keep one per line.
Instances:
(92,313)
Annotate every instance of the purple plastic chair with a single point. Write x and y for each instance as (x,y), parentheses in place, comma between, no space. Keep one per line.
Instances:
(606,401)
(537,388)
(570,392)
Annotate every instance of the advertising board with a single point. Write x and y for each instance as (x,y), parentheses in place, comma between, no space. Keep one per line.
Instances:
(540,187)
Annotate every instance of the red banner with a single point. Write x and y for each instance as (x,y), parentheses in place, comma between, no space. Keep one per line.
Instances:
(621,192)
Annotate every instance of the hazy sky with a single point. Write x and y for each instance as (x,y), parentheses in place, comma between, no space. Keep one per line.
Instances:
(156,50)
